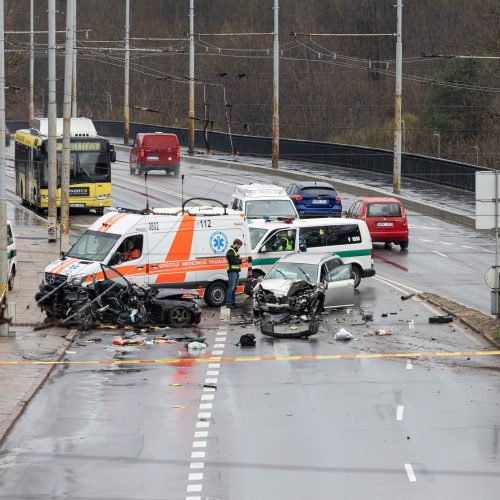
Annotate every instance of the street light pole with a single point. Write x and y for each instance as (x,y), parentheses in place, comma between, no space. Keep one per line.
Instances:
(4,263)
(397,108)
(31,111)
(477,154)
(66,154)
(52,125)
(126,115)
(191,78)
(438,137)
(276,70)
(73,90)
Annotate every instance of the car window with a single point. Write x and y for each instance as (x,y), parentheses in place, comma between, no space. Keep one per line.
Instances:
(130,249)
(93,245)
(293,270)
(314,236)
(240,205)
(384,210)
(270,208)
(318,192)
(256,234)
(340,273)
(353,211)
(234,204)
(345,234)
(282,241)
(10,238)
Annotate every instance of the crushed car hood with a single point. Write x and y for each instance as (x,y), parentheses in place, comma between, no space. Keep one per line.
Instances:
(285,287)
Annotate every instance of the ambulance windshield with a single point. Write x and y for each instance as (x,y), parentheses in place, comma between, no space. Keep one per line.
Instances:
(93,245)
(270,208)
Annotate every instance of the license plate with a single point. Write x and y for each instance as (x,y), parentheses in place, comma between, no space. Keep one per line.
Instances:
(77,205)
(153,157)
(320,202)
(385,224)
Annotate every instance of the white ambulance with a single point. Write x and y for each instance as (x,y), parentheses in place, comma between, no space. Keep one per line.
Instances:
(263,201)
(168,247)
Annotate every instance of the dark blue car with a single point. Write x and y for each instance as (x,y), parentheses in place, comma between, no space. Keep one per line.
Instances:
(315,199)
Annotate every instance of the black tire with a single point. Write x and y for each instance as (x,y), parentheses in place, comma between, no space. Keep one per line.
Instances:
(403,244)
(179,317)
(387,245)
(99,211)
(177,170)
(357,276)
(10,280)
(215,295)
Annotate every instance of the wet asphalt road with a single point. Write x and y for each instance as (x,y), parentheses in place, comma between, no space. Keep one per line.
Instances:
(319,428)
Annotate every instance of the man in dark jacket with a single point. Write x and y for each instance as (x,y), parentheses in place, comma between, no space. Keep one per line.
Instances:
(233,272)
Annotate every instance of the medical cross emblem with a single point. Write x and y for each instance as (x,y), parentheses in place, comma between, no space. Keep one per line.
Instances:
(218,242)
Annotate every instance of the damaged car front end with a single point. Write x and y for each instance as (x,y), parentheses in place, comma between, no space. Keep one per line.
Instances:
(292,305)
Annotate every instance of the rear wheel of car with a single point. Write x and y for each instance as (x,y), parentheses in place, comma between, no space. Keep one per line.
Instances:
(179,316)
(177,170)
(10,281)
(387,244)
(215,294)
(357,276)
(403,244)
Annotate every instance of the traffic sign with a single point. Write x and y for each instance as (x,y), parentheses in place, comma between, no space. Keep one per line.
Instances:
(491,277)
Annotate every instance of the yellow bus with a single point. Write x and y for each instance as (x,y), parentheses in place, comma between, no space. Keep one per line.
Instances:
(90,166)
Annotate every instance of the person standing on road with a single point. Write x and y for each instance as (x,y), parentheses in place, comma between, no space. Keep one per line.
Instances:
(233,272)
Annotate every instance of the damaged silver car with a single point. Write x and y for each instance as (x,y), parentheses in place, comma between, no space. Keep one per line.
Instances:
(299,287)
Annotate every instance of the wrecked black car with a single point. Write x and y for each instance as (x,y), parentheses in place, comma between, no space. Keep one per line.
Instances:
(297,289)
(112,299)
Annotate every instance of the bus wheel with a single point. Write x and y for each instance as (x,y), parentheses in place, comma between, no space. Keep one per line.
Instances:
(99,211)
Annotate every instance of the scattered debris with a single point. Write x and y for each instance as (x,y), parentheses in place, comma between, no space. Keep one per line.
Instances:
(393,313)
(210,386)
(433,338)
(343,334)
(128,341)
(247,340)
(384,315)
(411,324)
(380,332)
(164,340)
(95,340)
(441,319)
(70,352)
(196,346)
(406,297)
(180,406)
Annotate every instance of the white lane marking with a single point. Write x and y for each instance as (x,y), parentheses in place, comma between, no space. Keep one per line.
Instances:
(214,365)
(197,454)
(202,424)
(439,253)
(206,414)
(206,406)
(219,346)
(465,246)
(426,241)
(217,353)
(195,476)
(395,284)
(213,372)
(489,251)
(199,444)
(197,465)
(193,498)
(207,397)
(232,184)
(409,366)
(399,412)
(200,434)
(444,243)
(220,339)
(208,389)
(211,380)
(411,475)
(192,488)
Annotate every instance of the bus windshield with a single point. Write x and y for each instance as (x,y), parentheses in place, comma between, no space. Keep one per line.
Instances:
(93,245)
(85,167)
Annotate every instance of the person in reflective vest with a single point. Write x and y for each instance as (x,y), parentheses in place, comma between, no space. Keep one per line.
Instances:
(233,272)
(284,244)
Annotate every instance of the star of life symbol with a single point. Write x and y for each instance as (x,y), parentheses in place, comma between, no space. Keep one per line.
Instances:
(218,242)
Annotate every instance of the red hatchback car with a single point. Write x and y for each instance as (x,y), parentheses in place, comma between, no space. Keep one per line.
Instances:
(155,151)
(385,218)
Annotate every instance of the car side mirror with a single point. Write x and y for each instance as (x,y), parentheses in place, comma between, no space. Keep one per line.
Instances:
(263,249)
(112,155)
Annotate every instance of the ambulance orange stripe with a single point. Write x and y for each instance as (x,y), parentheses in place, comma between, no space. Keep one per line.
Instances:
(63,265)
(180,248)
(106,226)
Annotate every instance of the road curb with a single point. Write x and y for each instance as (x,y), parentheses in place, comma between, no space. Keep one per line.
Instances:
(21,405)
(459,311)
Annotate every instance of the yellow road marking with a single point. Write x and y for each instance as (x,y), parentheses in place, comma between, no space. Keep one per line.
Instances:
(257,358)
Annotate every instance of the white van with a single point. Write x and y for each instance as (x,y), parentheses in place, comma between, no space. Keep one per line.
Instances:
(263,201)
(348,238)
(11,255)
(168,247)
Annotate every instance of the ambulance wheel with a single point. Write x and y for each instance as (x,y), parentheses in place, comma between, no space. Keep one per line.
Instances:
(215,294)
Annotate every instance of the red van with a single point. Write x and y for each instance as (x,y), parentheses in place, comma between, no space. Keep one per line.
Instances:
(155,151)
(385,218)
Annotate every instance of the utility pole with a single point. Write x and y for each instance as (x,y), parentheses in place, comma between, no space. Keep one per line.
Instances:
(73,91)
(31,112)
(396,179)
(191,78)
(66,153)
(52,119)
(126,112)
(4,263)
(276,72)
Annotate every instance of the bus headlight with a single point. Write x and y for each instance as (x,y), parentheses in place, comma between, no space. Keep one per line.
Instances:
(103,197)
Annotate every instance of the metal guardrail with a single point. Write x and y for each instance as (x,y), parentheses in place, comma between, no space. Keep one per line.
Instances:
(423,168)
